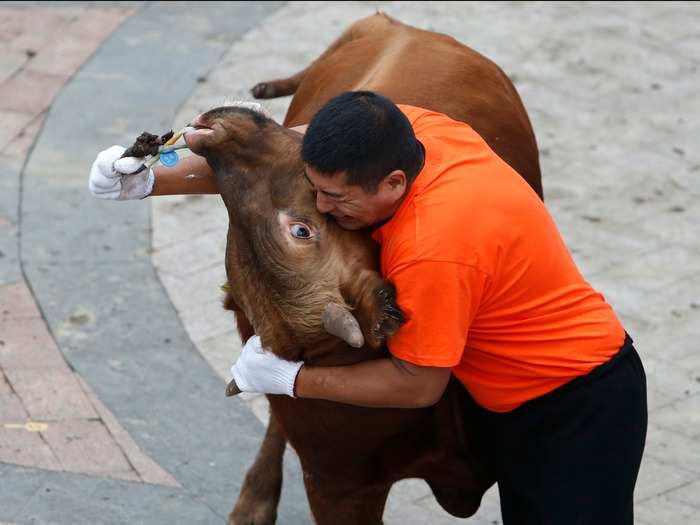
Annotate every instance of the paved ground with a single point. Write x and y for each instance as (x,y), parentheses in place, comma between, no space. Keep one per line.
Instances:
(113,344)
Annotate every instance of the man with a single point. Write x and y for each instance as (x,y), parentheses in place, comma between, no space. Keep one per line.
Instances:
(491,295)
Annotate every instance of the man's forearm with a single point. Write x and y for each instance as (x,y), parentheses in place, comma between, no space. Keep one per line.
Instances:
(191,175)
(377,383)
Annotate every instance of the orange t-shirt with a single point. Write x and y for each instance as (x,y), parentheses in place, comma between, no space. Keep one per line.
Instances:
(484,278)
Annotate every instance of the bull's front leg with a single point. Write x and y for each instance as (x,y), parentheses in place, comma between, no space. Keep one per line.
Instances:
(260,495)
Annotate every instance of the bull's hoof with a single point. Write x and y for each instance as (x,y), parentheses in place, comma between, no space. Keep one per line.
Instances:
(255,519)
(232,389)
(263,90)
(249,511)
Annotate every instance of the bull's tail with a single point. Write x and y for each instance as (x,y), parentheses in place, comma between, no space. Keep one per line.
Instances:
(283,87)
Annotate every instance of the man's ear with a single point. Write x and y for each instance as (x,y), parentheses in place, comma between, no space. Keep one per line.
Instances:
(396,180)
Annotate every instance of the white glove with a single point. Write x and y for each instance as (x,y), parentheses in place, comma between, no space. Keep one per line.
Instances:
(111,176)
(259,370)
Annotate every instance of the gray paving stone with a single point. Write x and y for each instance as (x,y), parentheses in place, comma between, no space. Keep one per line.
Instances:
(657,399)
(212,321)
(656,477)
(16,491)
(687,494)
(187,290)
(672,338)
(221,351)
(258,405)
(673,448)
(175,217)
(191,257)
(675,382)
(681,416)
(43,497)
(648,274)
(666,510)
(119,231)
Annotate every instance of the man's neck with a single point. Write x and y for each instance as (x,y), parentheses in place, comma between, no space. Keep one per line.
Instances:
(409,185)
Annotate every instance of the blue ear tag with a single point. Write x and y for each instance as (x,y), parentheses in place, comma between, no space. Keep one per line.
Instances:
(169,158)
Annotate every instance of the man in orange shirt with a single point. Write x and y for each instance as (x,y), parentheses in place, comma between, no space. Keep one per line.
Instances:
(492,295)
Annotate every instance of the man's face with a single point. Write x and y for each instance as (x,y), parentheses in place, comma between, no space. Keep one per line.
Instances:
(351,206)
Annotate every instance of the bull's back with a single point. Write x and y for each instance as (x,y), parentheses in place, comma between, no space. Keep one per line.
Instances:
(430,70)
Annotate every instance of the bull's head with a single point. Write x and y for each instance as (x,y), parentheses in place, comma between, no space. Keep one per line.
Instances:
(295,274)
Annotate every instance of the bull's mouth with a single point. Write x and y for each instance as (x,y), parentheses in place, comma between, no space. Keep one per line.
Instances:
(197,126)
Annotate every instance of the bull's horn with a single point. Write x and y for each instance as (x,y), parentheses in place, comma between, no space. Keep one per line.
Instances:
(232,389)
(340,322)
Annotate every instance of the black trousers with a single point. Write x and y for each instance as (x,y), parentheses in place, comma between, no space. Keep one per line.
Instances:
(572,456)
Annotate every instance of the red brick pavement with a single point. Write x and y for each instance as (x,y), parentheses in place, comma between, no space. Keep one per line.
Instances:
(49,417)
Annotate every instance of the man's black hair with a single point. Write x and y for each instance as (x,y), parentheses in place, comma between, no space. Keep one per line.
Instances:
(365,135)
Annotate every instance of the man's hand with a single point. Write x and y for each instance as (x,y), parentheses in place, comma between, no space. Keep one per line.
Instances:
(259,370)
(112,177)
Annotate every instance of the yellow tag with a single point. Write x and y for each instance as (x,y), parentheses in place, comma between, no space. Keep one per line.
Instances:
(31,426)
(35,426)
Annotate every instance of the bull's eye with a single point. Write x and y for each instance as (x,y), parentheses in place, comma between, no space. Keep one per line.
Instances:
(300,231)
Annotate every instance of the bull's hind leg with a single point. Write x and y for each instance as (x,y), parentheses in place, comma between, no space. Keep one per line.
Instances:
(282,87)
(332,504)
(260,495)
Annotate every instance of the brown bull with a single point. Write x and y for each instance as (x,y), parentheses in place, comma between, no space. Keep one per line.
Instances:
(283,282)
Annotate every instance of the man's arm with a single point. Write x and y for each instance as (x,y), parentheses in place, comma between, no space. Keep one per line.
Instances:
(116,178)
(377,383)
(189,176)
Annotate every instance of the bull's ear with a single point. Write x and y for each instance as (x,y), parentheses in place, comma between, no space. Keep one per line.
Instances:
(374,304)
(390,317)
(378,313)
(338,321)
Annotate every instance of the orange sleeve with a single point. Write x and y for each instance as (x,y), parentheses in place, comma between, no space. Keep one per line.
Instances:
(439,300)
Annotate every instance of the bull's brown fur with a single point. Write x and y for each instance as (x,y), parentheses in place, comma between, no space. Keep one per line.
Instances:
(351,455)
(419,68)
